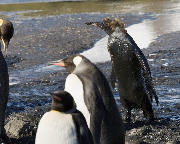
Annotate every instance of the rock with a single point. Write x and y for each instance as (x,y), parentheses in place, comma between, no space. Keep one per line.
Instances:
(21,127)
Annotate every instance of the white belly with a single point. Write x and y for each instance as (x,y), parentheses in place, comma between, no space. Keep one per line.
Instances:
(56,128)
(74,86)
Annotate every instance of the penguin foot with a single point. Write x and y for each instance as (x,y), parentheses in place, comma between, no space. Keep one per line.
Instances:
(149,116)
(151,119)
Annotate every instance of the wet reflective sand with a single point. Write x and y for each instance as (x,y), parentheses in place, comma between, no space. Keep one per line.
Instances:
(58,8)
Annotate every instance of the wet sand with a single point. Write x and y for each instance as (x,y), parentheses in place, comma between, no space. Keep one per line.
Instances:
(39,40)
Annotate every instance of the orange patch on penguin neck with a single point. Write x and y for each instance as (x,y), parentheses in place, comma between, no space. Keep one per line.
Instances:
(1,22)
(116,22)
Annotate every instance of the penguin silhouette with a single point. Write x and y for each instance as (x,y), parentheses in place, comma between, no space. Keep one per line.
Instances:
(63,124)
(130,68)
(6,33)
(94,99)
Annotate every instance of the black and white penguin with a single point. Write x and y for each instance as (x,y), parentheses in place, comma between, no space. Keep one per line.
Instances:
(130,68)
(94,99)
(6,33)
(63,124)
(4,93)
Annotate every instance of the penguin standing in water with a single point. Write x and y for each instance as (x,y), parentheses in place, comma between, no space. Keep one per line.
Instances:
(6,33)
(4,93)
(64,124)
(94,99)
(130,68)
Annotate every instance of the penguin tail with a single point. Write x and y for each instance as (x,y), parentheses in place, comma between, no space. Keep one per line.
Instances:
(156,99)
(155,96)
(152,90)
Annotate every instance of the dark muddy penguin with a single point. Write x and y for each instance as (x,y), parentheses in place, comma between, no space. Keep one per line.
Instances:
(94,99)
(4,92)
(64,124)
(130,68)
(6,33)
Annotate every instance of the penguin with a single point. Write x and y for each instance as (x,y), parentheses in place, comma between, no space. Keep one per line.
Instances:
(4,93)
(130,68)
(63,124)
(6,33)
(94,98)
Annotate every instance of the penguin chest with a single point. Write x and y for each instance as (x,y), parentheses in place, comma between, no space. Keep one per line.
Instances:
(74,86)
(1,22)
(55,128)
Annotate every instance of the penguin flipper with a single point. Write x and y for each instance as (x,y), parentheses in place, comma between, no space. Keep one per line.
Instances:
(95,107)
(83,132)
(97,116)
(139,54)
(145,68)
(146,74)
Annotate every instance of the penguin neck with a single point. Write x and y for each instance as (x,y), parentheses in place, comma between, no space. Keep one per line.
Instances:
(117,35)
(66,112)
(1,22)
(82,67)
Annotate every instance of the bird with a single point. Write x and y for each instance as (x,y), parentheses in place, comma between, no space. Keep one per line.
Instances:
(6,33)
(93,97)
(63,124)
(130,68)
(4,93)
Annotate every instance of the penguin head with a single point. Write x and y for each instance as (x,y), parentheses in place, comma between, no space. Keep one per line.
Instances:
(7,31)
(62,101)
(109,25)
(71,62)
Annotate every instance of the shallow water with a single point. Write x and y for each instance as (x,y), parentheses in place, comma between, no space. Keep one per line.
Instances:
(38,8)
(33,73)
(29,1)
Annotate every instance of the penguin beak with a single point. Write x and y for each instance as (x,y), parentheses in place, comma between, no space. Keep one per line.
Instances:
(52,93)
(5,50)
(5,44)
(98,24)
(58,63)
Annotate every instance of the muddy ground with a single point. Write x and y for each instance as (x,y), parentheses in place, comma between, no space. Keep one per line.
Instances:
(40,40)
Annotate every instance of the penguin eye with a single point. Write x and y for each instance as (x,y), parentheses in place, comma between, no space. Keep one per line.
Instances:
(69,63)
(70,66)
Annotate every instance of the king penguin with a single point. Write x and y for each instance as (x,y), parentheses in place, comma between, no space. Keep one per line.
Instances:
(6,33)
(4,93)
(130,68)
(94,99)
(63,124)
